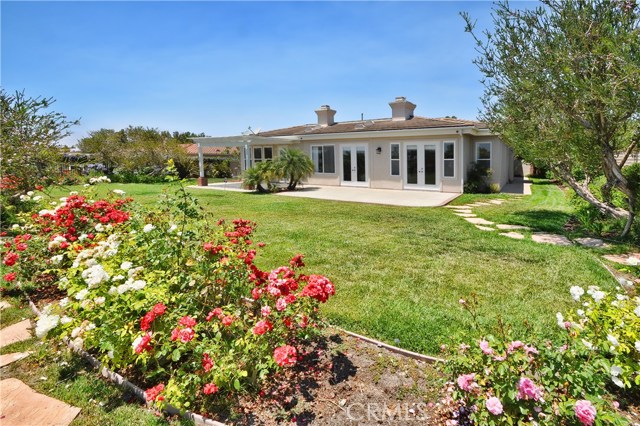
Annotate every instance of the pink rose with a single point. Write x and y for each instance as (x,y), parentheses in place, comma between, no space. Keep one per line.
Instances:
(528,390)
(484,345)
(465,381)
(494,406)
(585,412)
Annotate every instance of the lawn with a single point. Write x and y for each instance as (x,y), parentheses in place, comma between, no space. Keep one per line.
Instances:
(400,271)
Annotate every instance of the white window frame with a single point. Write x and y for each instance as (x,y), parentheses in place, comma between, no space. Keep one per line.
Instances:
(322,147)
(490,153)
(444,160)
(255,160)
(391,160)
(264,157)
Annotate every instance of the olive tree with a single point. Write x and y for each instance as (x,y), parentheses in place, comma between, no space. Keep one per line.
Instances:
(562,88)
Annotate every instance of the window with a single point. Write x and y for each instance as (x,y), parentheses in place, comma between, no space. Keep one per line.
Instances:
(483,154)
(323,158)
(449,159)
(268,153)
(257,155)
(395,159)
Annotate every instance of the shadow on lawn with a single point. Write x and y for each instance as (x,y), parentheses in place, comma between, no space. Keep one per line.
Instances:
(540,220)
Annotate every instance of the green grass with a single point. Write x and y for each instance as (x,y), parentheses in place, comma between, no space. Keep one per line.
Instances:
(400,271)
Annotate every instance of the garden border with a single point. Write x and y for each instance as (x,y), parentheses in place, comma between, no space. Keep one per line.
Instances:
(197,418)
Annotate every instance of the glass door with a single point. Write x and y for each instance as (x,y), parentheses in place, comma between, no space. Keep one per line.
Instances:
(354,165)
(421,169)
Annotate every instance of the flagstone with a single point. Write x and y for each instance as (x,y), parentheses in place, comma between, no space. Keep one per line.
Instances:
(465,214)
(484,228)
(4,305)
(15,333)
(7,359)
(478,221)
(20,405)
(558,240)
(622,258)
(592,242)
(508,227)
(498,202)
(515,235)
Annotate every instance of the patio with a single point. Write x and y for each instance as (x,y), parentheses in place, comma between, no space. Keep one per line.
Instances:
(389,197)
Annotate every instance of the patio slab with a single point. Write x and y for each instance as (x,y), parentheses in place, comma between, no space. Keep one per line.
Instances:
(557,240)
(518,186)
(390,197)
(21,405)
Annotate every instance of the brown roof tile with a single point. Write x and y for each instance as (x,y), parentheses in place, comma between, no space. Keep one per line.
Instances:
(374,125)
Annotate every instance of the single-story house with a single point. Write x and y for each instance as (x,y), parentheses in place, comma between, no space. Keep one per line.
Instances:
(400,152)
(211,154)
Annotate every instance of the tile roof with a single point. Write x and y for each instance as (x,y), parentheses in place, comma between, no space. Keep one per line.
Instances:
(374,125)
(192,149)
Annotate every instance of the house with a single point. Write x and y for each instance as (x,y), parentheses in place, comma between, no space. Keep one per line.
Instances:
(214,154)
(401,152)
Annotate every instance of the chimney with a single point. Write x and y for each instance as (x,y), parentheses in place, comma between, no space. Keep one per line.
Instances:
(401,109)
(325,116)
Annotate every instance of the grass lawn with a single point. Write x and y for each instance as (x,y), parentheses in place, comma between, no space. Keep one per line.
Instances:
(400,271)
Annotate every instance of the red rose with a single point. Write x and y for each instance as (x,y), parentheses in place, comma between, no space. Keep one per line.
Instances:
(227,320)
(262,327)
(187,321)
(210,388)
(207,362)
(153,394)
(158,309)
(11,276)
(285,356)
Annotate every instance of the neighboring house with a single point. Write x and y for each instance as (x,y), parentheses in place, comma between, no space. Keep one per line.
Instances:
(401,152)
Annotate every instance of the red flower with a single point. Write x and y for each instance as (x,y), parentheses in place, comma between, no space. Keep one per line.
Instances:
(153,394)
(10,258)
(144,344)
(217,312)
(185,334)
(187,321)
(296,261)
(319,288)
(145,322)
(227,320)
(261,244)
(21,247)
(11,276)
(210,388)
(285,356)
(158,309)
(207,362)
(262,327)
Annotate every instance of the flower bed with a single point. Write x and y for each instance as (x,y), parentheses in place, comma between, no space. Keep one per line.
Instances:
(163,294)
(500,379)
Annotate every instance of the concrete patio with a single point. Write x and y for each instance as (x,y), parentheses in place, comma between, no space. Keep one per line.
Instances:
(389,197)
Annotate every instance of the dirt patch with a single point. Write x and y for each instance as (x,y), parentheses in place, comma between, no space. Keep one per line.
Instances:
(344,381)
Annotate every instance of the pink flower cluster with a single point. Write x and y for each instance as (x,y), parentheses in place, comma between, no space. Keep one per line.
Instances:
(494,406)
(466,382)
(184,331)
(528,390)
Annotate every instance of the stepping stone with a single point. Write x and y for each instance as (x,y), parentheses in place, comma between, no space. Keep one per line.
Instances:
(21,405)
(622,258)
(509,227)
(478,221)
(462,211)
(592,242)
(484,228)
(452,207)
(482,204)
(7,359)
(514,235)
(557,240)
(465,214)
(497,202)
(15,333)
(4,305)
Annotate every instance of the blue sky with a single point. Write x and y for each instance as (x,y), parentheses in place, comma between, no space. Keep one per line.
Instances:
(219,67)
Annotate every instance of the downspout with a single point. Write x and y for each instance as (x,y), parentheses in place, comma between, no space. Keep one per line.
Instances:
(462,165)
(247,155)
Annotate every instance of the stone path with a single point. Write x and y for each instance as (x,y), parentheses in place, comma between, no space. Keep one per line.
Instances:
(7,359)
(15,333)
(20,406)
(4,305)
(466,212)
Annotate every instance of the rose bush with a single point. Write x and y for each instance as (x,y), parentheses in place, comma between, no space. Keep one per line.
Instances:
(171,296)
(500,379)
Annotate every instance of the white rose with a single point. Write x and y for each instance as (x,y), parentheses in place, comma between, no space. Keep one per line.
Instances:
(46,323)
(81,294)
(148,228)
(125,266)
(576,292)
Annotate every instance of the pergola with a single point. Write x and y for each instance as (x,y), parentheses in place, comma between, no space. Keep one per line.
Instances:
(243,141)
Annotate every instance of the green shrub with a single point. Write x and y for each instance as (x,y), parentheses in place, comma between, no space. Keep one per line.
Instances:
(477,181)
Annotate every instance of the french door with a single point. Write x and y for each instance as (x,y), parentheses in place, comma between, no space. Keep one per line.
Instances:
(421,170)
(354,160)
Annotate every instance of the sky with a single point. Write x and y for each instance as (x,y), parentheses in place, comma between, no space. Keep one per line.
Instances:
(220,67)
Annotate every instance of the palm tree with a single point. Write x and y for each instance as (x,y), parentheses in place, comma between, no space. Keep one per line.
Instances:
(263,172)
(294,165)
